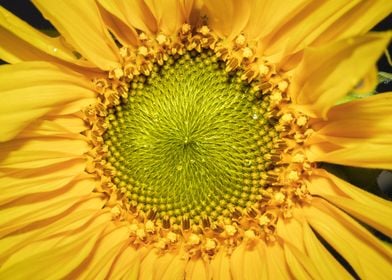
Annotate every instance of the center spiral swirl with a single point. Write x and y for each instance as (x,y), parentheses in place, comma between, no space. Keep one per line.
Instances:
(191,140)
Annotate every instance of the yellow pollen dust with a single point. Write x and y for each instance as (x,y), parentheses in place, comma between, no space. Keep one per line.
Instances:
(301,121)
(240,40)
(250,234)
(210,244)
(194,239)
(172,237)
(230,230)
(263,220)
(263,69)
(161,39)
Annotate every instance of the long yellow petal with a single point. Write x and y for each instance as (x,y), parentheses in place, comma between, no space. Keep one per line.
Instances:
(135,14)
(291,230)
(330,268)
(68,126)
(124,33)
(318,23)
(303,27)
(220,266)
(248,262)
(81,216)
(300,265)
(368,146)
(366,254)
(147,265)
(75,19)
(227,18)
(363,16)
(328,73)
(21,42)
(197,269)
(160,9)
(37,153)
(304,252)
(104,256)
(267,16)
(277,267)
(127,265)
(30,90)
(170,266)
(25,212)
(364,206)
(64,257)
(13,187)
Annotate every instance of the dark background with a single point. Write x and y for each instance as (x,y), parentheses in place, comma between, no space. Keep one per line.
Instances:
(373,180)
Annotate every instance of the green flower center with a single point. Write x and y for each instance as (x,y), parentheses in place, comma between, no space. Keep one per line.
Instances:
(191,141)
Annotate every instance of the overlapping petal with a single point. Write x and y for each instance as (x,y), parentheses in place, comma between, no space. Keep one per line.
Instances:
(124,33)
(21,42)
(75,20)
(356,133)
(136,14)
(365,253)
(30,90)
(364,206)
(70,250)
(318,23)
(318,82)
(232,21)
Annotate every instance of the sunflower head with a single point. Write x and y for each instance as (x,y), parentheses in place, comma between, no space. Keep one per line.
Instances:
(194,137)
(186,139)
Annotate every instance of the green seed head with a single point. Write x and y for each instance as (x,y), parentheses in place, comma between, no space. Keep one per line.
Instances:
(191,140)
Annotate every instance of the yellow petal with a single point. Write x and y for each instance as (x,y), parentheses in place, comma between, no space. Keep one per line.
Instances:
(34,153)
(197,269)
(366,254)
(170,266)
(30,90)
(135,14)
(248,262)
(24,212)
(359,19)
(330,268)
(13,187)
(328,73)
(220,266)
(128,264)
(81,216)
(105,254)
(160,10)
(291,230)
(21,42)
(368,83)
(147,265)
(364,206)
(227,18)
(74,20)
(266,16)
(64,257)
(322,22)
(117,24)
(304,27)
(68,126)
(365,147)
(277,267)
(301,266)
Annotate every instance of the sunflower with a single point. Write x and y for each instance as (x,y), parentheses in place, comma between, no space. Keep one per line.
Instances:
(185,139)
